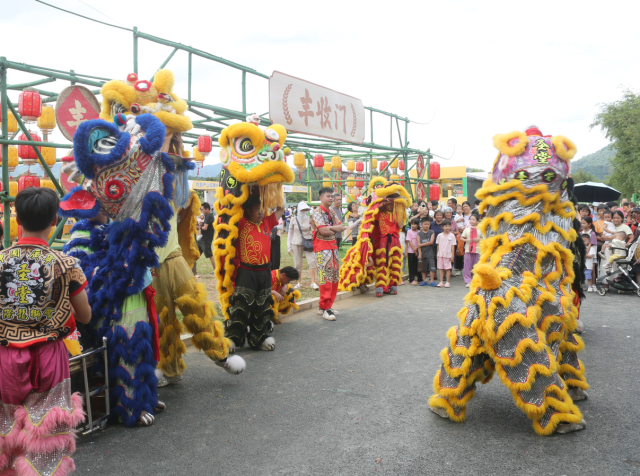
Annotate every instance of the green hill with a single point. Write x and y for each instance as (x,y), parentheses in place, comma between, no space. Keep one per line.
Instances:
(598,163)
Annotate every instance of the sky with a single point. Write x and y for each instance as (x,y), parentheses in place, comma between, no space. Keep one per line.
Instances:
(469,69)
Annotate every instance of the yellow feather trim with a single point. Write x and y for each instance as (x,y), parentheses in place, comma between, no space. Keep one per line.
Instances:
(565,148)
(256,175)
(501,142)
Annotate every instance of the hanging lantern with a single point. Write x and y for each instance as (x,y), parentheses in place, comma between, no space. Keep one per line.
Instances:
(359,183)
(13,188)
(434,191)
(12,123)
(434,170)
(13,157)
(14,228)
(49,156)
(186,154)
(401,165)
(205,145)
(374,164)
(47,120)
(336,162)
(351,181)
(351,197)
(46,183)
(26,152)
(318,161)
(28,180)
(30,105)
(383,165)
(326,184)
(198,158)
(327,167)
(300,163)
(394,177)
(351,165)
(394,164)
(359,167)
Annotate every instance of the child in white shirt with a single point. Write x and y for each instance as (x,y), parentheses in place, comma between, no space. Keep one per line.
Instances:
(588,261)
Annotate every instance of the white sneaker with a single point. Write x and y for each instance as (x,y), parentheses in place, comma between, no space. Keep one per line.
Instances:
(329,315)
(315,286)
(335,312)
(590,289)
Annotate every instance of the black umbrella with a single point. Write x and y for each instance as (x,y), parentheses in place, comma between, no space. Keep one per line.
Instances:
(595,192)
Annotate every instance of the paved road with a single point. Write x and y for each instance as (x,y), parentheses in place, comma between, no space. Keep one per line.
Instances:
(336,396)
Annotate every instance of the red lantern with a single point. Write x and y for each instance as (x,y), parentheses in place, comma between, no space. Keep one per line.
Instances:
(28,180)
(434,191)
(205,145)
(359,183)
(402,181)
(401,165)
(359,166)
(318,161)
(26,152)
(383,165)
(30,105)
(434,170)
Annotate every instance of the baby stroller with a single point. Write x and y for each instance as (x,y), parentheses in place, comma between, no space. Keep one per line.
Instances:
(624,278)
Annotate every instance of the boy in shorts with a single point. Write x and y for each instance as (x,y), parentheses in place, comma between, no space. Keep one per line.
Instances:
(426,240)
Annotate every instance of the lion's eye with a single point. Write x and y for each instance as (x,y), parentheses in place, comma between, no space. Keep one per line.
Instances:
(245,145)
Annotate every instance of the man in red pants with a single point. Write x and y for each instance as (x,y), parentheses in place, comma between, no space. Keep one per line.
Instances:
(325,226)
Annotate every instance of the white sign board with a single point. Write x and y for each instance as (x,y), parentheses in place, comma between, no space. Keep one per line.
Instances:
(305,107)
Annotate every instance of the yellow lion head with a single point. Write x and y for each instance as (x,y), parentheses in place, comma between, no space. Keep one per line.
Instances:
(138,96)
(252,154)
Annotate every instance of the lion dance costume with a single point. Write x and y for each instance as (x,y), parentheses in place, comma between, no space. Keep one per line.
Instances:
(173,280)
(378,239)
(520,314)
(253,163)
(288,302)
(130,182)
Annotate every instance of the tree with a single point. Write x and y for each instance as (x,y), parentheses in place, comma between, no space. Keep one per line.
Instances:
(620,121)
(581,176)
(471,169)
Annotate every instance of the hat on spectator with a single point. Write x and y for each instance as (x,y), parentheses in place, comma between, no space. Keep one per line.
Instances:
(303,206)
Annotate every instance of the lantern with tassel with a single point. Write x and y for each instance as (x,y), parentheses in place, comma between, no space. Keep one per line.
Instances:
(359,167)
(394,164)
(327,167)
(26,152)
(46,183)
(401,165)
(394,177)
(13,188)
(30,105)
(28,180)
(49,156)
(318,162)
(205,146)
(326,184)
(359,184)
(14,228)
(351,165)
(12,123)
(434,191)
(300,162)
(434,170)
(47,120)
(13,158)
(383,165)
(336,162)
(351,181)
(374,164)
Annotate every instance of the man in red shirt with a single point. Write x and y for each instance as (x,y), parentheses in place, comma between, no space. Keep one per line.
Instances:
(326,225)
(250,304)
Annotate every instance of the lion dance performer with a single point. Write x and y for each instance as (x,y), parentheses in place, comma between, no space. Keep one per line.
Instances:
(253,170)
(379,240)
(284,295)
(173,280)
(520,315)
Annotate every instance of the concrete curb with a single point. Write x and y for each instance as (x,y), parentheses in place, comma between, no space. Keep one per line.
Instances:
(302,306)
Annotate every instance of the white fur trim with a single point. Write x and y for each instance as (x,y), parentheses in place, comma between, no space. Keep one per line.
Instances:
(235,365)
(269,344)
